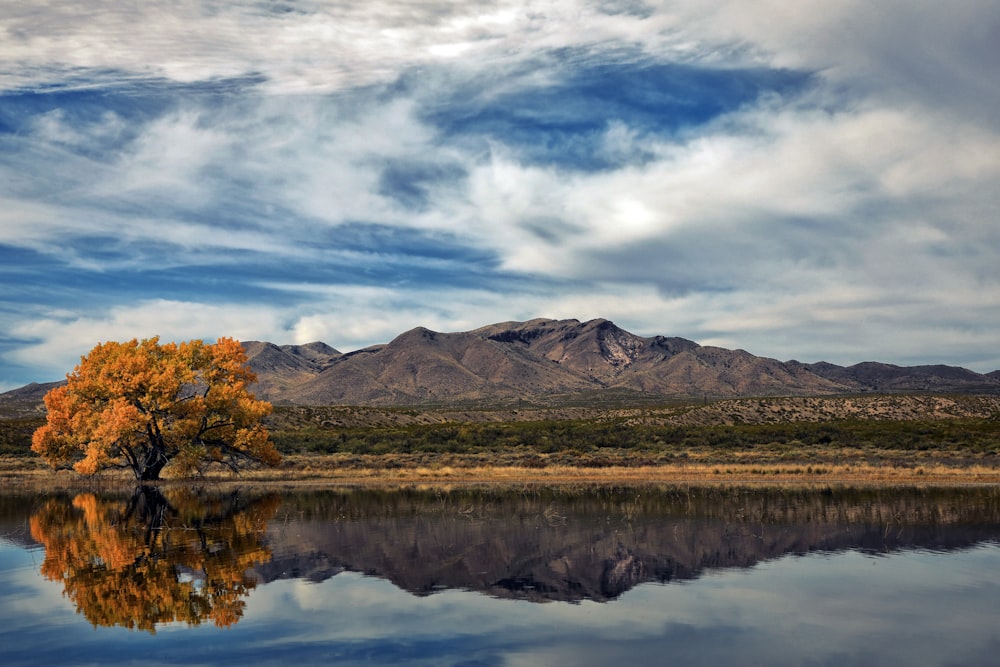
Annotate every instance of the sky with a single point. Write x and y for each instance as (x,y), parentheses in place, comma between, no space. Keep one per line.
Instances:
(804,180)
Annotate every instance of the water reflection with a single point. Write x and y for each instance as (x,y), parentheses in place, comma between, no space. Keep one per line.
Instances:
(180,555)
(776,577)
(155,557)
(595,545)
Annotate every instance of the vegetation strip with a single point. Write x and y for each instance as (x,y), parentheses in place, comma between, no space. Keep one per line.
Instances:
(922,439)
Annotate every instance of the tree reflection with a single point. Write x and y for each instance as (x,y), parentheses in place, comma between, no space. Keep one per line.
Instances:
(156,557)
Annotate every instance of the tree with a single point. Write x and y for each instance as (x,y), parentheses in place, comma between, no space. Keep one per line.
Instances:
(140,405)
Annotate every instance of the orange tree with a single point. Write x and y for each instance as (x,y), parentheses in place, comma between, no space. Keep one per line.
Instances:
(140,405)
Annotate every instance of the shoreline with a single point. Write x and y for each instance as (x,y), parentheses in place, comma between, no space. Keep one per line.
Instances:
(324,471)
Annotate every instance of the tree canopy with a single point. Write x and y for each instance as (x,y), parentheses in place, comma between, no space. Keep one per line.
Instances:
(140,405)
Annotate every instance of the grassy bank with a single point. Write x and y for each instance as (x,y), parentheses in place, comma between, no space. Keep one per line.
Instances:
(401,471)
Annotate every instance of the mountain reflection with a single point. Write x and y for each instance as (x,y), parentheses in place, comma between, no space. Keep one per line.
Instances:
(597,544)
(155,557)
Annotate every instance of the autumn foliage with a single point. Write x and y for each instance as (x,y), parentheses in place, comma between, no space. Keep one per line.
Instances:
(155,558)
(140,405)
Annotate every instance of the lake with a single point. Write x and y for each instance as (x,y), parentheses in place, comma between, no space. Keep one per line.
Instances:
(622,576)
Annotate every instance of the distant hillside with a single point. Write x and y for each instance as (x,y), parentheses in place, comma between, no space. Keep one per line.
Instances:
(545,358)
(26,401)
(552,362)
(282,369)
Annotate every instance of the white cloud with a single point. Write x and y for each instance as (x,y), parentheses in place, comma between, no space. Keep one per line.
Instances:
(765,189)
(328,47)
(168,159)
(903,52)
(60,338)
(320,47)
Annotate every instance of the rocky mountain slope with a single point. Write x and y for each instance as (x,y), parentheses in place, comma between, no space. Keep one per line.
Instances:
(26,401)
(553,362)
(542,358)
(281,369)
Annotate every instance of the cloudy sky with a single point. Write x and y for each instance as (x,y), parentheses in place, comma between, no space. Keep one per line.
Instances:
(805,180)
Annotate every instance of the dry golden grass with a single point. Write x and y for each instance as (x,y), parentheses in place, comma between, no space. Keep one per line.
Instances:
(393,471)
(733,473)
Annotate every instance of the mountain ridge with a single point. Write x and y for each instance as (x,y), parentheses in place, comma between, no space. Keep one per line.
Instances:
(550,360)
(538,358)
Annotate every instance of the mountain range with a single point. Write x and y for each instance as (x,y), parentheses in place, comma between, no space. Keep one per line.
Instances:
(544,359)
(550,361)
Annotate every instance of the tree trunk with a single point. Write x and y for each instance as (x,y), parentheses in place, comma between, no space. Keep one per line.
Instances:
(151,471)
(155,458)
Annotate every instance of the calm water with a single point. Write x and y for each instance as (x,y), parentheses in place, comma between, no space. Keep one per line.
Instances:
(609,577)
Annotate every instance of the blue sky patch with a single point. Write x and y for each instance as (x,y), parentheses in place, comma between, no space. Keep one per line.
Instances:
(562,123)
